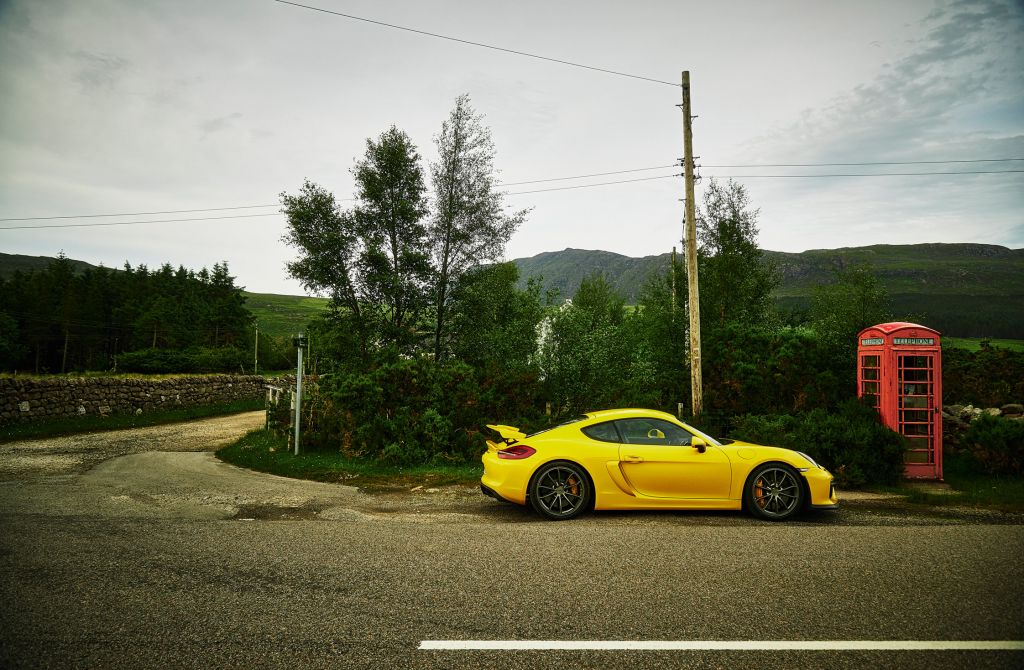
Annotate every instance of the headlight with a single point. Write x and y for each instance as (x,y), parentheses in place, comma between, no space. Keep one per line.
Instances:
(813,462)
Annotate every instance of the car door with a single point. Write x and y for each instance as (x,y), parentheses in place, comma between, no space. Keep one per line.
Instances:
(657,460)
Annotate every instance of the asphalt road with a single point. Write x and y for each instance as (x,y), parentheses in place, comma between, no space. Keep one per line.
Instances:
(170,558)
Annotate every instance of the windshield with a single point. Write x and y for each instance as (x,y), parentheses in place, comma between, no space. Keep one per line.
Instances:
(707,438)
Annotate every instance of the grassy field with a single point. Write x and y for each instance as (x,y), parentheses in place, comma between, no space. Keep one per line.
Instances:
(283,315)
(974,344)
(264,451)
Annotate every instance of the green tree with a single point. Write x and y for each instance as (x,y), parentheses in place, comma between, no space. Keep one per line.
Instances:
(395,258)
(494,324)
(735,278)
(328,244)
(470,225)
(10,347)
(853,301)
(372,261)
(587,357)
(659,325)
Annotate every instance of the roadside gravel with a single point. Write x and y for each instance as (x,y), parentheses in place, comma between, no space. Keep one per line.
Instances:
(76,454)
(170,471)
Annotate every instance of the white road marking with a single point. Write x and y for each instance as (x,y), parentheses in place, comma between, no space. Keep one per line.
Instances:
(724,645)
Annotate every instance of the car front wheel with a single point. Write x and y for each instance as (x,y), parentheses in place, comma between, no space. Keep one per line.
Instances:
(773,492)
(560,491)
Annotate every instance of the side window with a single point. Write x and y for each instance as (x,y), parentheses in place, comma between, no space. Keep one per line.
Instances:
(602,432)
(653,431)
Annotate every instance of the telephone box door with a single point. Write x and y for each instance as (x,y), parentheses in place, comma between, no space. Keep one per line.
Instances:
(917,411)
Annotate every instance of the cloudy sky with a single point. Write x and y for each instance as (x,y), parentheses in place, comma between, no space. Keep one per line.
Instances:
(128,106)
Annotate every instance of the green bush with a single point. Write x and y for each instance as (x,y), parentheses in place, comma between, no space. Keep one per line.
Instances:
(996,444)
(195,359)
(850,441)
(989,377)
(411,411)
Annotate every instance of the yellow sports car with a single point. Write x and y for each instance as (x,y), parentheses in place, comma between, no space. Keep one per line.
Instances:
(643,459)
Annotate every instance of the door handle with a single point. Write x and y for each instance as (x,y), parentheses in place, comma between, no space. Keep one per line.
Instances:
(632,459)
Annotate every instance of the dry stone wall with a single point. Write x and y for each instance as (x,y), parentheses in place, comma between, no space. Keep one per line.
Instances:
(36,398)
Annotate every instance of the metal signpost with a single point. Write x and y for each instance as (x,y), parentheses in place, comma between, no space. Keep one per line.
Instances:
(300,343)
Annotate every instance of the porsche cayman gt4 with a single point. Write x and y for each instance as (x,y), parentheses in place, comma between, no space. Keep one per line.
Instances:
(631,459)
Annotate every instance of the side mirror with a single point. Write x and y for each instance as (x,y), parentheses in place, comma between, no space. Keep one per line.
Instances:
(655,434)
(699,444)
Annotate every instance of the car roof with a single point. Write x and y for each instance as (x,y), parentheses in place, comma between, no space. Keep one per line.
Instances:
(628,413)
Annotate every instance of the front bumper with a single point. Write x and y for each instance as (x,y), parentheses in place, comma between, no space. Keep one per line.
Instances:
(822,489)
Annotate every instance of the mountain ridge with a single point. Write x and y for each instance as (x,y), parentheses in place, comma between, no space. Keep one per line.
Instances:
(962,289)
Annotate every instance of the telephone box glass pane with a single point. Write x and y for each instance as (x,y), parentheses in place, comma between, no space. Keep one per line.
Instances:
(915,429)
(870,387)
(869,361)
(920,415)
(915,361)
(917,457)
(915,375)
(916,389)
(914,403)
(871,399)
(871,373)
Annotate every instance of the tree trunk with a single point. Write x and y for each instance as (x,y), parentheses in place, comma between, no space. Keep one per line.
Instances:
(64,358)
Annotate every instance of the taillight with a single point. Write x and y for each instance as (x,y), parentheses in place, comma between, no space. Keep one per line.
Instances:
(516,452)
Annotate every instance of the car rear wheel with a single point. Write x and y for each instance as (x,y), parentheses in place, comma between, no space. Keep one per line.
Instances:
(773,492)
(560,491)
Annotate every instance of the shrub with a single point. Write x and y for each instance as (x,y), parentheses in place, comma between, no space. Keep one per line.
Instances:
(996,444)
(989,377)
(414,411)
(850,441)
(195,359)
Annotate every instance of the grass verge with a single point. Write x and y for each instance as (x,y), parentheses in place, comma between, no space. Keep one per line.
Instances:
(264,451)
(93,423)
(1002,493)
(974,344)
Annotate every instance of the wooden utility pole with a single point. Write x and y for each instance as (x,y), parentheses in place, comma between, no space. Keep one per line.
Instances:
(696,391)
(672,274)
(256,352)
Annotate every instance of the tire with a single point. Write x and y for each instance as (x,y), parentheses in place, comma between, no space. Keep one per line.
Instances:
(560,491)
(773,492)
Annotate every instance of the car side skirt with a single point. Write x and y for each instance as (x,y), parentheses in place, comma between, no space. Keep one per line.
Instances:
(638,503)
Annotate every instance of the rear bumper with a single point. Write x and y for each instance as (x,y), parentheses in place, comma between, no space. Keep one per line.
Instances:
(487,491)
(505,479)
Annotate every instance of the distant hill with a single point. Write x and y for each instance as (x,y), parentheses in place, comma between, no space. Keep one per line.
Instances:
(963,290)
(283,315)
(967,290)
(11,263)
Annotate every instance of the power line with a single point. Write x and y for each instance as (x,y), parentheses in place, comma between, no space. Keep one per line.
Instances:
(133,223)
(605,183)
(973,160)
(876,174)
(551,179)
(477,44)
(584,176)
(170,211)
(535,181)
(220,209)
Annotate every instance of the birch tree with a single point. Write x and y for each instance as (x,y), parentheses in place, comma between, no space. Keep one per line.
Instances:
(470,223)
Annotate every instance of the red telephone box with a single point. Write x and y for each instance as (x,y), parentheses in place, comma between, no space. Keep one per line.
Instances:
(899,372)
